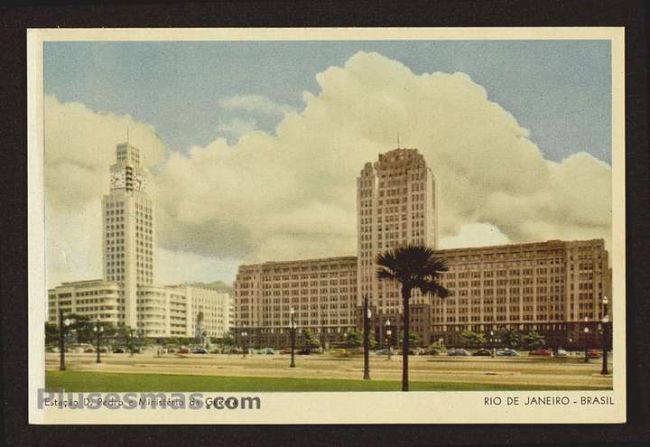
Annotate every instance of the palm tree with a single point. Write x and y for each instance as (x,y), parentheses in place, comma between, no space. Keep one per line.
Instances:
(414,267)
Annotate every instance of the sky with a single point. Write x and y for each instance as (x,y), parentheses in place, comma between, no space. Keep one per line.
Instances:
(254,147)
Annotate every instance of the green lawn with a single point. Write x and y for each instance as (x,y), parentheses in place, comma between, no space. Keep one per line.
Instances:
(77,381)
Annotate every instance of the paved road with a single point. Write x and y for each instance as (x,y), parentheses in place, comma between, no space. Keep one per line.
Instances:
(522,370)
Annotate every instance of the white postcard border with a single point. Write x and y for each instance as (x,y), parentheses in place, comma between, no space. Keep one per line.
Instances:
(345,408)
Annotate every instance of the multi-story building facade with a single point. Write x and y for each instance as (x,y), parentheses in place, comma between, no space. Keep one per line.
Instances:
(215,307)
(94,299)
(127,294)
(128,230)
(396,206)
(169,311)
(549,287)
(322,293)
(553,287)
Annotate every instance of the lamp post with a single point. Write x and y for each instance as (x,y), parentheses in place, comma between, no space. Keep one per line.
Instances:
(292,333)
(586,330)
(244,336)
(388,334)
(98,330)
(63,328)
(604,371)
(366,341)
(492,348)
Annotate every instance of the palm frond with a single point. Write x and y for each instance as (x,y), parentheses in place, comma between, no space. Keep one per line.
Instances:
(415,266)
(432,288)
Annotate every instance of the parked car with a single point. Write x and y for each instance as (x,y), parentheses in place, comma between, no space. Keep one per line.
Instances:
(594,354)
(269,351)
(383,351)
(561,353)
(508,352)
(542,352)
(119,350)
(199,351)
(183,350)
(457,352)
(482,353)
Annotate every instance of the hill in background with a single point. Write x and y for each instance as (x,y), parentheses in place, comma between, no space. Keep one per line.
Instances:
(219,286)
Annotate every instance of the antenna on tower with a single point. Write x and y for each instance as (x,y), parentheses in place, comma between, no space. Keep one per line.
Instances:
(398,141)
(127,134)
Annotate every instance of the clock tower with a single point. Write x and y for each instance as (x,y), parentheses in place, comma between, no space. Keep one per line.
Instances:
(128,231)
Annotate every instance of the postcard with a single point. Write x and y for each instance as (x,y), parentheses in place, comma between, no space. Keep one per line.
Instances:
(326,226)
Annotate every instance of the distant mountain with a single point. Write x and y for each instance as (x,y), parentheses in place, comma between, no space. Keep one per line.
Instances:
(219,286)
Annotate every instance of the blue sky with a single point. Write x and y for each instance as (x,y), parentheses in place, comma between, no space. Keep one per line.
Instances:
(558,90)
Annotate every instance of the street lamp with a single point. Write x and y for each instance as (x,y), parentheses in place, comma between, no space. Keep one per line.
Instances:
(244,336)
(493,349)
(604,371)
(388,334)
(586,345)
(292,333)
(98,330)
(366,317)
(63,328)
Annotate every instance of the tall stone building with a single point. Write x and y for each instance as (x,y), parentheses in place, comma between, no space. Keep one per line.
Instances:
(396,206)
(127,294)
(128,230)
(553,287)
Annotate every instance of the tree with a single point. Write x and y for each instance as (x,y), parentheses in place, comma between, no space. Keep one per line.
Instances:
(511,338)
(414,267)
(473,339)
(228,339)
(353,339)
(415,339)
(82,328)
(130,338)
(534,340)
(372,340)
(51,333)
(436,348)
(311,341)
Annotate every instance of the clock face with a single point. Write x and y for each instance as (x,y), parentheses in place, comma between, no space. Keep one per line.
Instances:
(117,180)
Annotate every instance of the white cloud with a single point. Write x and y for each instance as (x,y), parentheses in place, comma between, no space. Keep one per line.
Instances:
(73,245)
(475,235)
(236,127)
(292,194)
(254,103)
(80,146)
(175,267)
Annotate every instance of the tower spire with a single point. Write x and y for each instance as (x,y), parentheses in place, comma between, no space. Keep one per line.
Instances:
(127,134)
(398,141)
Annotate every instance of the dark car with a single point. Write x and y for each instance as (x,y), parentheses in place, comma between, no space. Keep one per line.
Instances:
(507,353)
(118,351)
(269,351)
(199,351)
(457,352)
(542,352)
(483,353)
